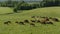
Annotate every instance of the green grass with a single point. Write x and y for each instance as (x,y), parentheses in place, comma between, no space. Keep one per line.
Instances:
(27,29)
(5,10)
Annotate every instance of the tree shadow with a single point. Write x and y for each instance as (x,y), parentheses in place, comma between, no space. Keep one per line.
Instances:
(6,13)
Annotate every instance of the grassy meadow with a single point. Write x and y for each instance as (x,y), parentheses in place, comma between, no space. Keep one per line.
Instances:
(14,28)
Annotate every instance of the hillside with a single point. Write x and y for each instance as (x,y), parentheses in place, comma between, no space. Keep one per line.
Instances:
(4,10)
(14,28)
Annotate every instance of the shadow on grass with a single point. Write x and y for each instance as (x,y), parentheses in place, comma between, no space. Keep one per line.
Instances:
(8,13)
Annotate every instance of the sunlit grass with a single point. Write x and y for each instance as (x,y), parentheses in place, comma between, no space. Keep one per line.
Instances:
(14,28)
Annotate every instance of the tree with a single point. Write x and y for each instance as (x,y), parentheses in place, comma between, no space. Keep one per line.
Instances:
(51,2)
(15,10)
(9,3)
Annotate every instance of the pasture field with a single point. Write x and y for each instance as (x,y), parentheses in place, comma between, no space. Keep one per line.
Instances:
(14,28)
(5,10)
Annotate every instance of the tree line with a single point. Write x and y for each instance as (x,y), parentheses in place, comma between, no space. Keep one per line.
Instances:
(22,5)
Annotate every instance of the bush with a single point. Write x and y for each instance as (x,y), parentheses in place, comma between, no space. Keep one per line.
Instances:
(15,10)
(26,6)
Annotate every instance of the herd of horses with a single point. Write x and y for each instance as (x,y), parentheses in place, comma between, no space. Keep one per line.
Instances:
(37,19)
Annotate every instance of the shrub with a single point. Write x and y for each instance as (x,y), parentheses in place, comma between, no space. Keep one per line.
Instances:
(15,10)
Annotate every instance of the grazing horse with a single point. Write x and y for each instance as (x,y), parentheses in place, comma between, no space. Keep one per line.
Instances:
(16,22)
(32,24)
(47,19)
(38,20)
(43,21)
(49,22)
(26,21)
(22,23)
(33,21)
(7,22)
(55,19)
(50,17)
(33,17)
